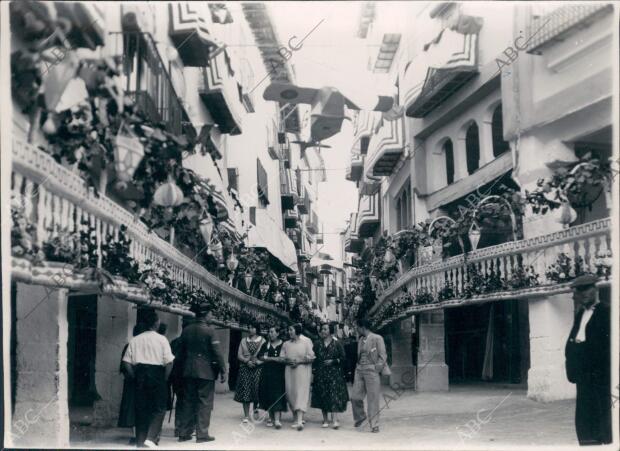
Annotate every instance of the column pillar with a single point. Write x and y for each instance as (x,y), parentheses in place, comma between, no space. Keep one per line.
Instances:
(460,159)
(432,369)
(485,134)
(550,317)
(403,370)
(223,335)
(41,410)
(114,330)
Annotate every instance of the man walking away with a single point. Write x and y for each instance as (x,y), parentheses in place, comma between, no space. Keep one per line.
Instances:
(371,363)
(202,360)
(148,361)
(588,363)
(176,377)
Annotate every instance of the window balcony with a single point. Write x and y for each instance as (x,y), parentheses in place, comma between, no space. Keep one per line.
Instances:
(148,83)
(295,236)
(68,202)
(560,21)
(352,242)
(368,217)
(291,219)
(190,32)
(355,168)
(288,188)
(456,281)
(312,224)
(443,66)
(304,203)
(386,148)
(222,94)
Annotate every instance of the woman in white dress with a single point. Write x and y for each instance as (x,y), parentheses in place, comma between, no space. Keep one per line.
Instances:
(298,354)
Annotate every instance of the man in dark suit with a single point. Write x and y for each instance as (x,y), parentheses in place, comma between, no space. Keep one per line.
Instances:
(588,363)
(200,351)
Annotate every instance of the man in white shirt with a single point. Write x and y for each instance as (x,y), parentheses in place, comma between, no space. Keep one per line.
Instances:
(148,360)
(588,364)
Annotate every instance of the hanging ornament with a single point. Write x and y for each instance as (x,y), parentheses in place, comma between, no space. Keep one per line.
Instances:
(216,249)
(58,77)
(248,279)
(389,257)
(128,153)
(566,214)
(206,228)
(168,194)
(49,126)
(264,288)
(474,235)
(232,262)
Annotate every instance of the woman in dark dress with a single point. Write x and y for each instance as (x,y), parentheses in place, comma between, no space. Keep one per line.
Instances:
(246,390)
(329,389)
(272,390)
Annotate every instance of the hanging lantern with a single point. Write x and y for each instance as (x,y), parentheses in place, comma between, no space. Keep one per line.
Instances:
(248,279)
(566,214)
(206,228)
(232,263)
(216,250)
(474,235)
(168,194)
(389,257)
(264,288)
(358,299)
(128,153)
(58,77)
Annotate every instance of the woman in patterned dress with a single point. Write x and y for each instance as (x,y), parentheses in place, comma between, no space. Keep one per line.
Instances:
(271,393)
(298,356)
(246,391)
(329,389)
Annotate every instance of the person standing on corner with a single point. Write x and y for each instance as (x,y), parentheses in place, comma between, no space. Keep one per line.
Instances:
(588,363)
(148,361)
(199,347)
(371,364)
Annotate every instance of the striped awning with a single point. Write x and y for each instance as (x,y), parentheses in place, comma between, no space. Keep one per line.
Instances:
(450,60)
(368,218)
(189,30)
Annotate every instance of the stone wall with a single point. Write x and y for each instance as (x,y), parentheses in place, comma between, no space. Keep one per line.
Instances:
(432,371)
(41,411)
(114,330)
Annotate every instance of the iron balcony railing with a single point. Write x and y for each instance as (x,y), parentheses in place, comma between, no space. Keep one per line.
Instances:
(147,81)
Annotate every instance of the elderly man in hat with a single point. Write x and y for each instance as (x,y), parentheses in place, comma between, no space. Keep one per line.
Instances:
(202,360)
(588,363)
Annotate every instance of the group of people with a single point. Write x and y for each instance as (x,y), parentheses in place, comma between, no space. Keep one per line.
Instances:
(275,375)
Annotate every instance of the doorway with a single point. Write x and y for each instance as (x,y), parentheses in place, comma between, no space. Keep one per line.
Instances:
(81,354)
(488,343)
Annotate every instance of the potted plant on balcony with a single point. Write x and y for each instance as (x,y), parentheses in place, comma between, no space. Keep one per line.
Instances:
(61,248)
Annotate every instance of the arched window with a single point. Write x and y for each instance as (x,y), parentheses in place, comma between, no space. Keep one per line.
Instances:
(497,129)
(472,148)
(448,151)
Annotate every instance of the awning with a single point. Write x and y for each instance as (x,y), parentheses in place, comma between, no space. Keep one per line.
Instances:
(368,218)
(268,235)
(190,33)
(447,63)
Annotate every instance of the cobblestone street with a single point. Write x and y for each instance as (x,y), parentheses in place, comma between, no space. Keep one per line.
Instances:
(411,421)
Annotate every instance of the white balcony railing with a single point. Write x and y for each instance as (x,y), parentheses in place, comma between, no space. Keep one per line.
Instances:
(57,198)
(580,243)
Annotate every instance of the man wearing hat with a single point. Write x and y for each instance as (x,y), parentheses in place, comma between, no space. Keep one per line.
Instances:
(588,354)
(199,349)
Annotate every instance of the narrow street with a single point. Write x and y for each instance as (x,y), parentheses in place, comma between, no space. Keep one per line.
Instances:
(411,421)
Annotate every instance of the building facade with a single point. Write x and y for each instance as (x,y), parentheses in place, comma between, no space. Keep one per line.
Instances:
(494,98)
(88,250)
